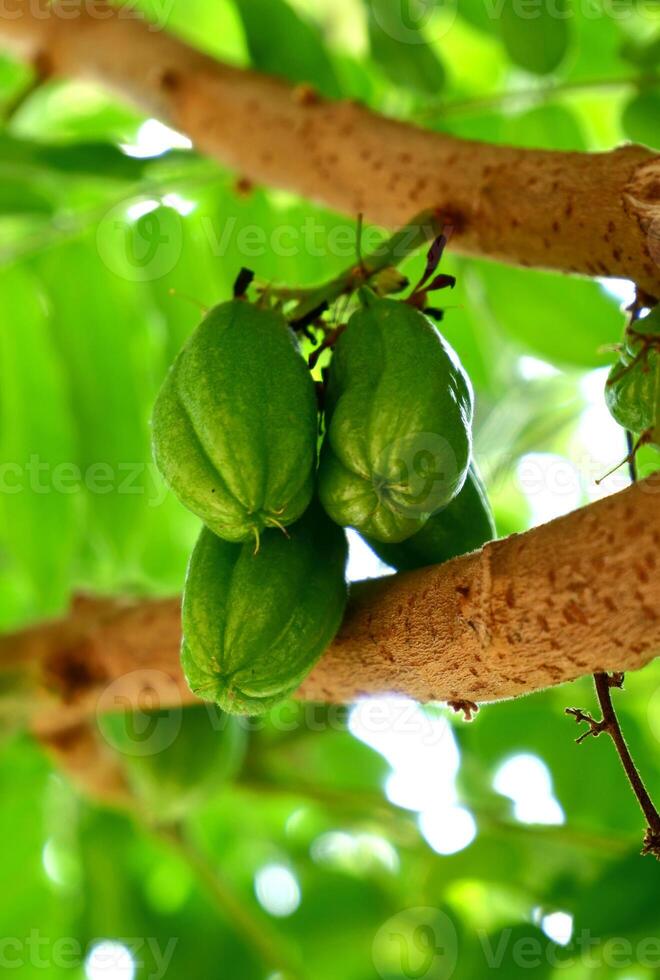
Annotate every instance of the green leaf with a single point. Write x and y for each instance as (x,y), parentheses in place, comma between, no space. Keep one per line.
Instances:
(486,125)
(600,909)
(358,78)
(641,118)
(513,953)
(283,43)
(536,36)
(71,111)
(551,127)
(595,49)
(21,196)
(14,75)
(212,27)
(24,778)
(101,324)
(39,513)
(644,54)
(201,276)
(476,14)
(401,49)
(92,159)
(84,345)
(563,319)
(537,724)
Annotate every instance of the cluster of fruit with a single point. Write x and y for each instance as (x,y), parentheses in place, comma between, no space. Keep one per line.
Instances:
(632,391)
(236,431)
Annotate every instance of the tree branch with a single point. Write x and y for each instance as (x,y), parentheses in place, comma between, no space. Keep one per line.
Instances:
(576,596)
(595,214)
(604,684)
(609,724)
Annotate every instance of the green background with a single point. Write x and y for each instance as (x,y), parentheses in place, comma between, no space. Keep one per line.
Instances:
(102,215)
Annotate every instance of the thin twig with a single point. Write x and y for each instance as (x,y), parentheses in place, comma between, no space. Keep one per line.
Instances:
(604,684)
(540,93)
(327,343)
(422,229)
(402,824)
(609,723)
(632,457)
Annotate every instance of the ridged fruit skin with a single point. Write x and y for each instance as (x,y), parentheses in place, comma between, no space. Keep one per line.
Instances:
(202,748)
(235,423)
(464,525)
(632,391)
(398,404)
(255,624)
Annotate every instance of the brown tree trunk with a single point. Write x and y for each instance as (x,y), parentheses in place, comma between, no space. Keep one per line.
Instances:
(576,596)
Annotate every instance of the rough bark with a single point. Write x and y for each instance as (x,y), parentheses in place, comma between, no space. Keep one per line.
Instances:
(572,597)
(595,214)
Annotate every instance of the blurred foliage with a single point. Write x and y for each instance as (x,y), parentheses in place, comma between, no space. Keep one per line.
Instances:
(112,234)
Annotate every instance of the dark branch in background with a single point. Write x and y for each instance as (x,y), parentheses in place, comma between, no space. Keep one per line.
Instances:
(538,93)
(609,724)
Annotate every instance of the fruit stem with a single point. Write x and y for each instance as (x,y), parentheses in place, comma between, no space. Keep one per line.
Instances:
(633,448)
(423,228)
(632,456)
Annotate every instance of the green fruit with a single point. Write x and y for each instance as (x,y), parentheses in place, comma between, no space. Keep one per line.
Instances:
(464,525)
(235,423)
(632,392)
(399,414)
(175,759)
(255,624)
